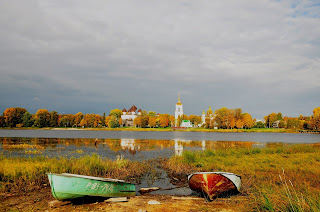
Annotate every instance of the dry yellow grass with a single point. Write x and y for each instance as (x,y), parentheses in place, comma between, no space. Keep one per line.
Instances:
(260,170)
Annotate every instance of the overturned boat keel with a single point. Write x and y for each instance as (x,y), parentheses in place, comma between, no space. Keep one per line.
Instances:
(213,184)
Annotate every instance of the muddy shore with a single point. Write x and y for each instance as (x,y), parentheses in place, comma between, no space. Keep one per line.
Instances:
(39,199)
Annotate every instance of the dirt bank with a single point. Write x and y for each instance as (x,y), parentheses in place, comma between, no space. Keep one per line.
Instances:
(38,201)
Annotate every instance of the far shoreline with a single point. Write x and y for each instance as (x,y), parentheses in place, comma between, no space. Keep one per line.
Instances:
(168,129)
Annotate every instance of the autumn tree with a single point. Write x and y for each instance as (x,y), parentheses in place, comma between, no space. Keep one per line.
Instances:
(42,118)
(239,124)
(247,121)
(194,119)
(120,121)
(237,113)
(232,122)
(90,119)
(152,121)
(270,119)
(222,117)
(64,122)
(181,118)
(315,120)
(13,116)
(164,120)
(107,119)
(137,122)
(293,122)
(77,118)
(171,120)
(97,120)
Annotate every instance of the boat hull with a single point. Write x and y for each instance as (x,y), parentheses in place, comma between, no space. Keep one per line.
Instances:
(212,184)
(68,186)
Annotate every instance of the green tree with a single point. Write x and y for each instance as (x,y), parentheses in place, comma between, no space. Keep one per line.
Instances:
(113,122)
(116,112)
(2,122)
(27,119)
(54,119)
(279,116)
(144,119)
(293,122)
(103,120)
(259,124)
(152,114)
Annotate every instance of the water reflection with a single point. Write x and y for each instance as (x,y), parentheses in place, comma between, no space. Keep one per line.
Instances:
(135,149)
(178,147)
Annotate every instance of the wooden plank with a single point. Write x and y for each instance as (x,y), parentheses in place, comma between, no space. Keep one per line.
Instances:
(117,199)
(187,198)
(57,203)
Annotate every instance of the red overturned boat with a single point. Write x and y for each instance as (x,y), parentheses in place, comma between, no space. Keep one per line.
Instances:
(213,184)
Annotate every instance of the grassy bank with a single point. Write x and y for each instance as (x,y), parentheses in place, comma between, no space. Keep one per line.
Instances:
(261,130)
(274,179)
(23,174)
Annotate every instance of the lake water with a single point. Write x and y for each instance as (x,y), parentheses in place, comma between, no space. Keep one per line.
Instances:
(134,145)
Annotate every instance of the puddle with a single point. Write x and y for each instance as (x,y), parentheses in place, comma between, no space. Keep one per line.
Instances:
(167,185)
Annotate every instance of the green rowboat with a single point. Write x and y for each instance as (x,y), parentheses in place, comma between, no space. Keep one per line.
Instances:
(70,186)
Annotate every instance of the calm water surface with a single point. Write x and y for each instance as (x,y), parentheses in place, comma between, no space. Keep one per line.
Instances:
(134,145)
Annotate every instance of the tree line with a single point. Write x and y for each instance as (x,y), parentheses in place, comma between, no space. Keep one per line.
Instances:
(222,118)
(300,123)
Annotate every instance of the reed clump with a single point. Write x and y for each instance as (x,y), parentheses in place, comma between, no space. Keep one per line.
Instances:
(23,174)
(298,188)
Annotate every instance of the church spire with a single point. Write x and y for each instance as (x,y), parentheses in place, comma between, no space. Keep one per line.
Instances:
(179,102)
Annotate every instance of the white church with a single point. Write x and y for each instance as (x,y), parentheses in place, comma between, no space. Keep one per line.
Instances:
(187,123)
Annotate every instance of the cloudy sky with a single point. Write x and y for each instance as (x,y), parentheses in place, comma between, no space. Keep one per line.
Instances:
(93,56)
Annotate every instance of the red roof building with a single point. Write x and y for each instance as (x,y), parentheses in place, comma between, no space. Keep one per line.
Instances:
(132,109)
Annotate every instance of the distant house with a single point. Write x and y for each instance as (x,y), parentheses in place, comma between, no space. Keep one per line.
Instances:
(186,123)
(276,124)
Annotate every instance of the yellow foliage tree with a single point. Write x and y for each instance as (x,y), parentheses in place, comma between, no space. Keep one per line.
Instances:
(316,119)
(239,124)
(247,121)
(107,121)
(152,121)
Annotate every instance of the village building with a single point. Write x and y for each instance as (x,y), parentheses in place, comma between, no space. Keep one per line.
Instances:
(203,118)
(186,123)
(179,111)
(128,116)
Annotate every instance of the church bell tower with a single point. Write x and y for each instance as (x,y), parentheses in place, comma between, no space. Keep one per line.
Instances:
(179,110)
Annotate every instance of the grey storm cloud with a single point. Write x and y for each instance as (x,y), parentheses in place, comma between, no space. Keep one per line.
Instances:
(71,56)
